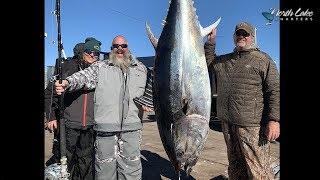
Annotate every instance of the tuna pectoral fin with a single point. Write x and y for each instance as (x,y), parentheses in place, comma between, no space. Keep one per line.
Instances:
(152,38)
(207,30)
(185,106)
(182,112)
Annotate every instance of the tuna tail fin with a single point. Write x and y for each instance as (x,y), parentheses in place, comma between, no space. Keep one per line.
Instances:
(151,36)
(207,30)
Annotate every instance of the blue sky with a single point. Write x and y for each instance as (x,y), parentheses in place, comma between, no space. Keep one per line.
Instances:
(104,19)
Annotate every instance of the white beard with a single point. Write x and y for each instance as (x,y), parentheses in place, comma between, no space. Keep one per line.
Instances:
(122,63)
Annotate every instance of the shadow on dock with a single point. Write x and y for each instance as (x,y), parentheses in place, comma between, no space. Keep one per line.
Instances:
(155,166)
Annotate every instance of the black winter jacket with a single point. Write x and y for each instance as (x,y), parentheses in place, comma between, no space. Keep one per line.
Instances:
(78,112)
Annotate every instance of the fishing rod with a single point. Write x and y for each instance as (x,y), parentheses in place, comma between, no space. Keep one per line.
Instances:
(59,171)
(63,159)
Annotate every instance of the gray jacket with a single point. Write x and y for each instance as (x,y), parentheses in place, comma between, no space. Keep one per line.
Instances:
(114,108)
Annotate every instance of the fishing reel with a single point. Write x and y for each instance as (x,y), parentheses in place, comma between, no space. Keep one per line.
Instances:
(52,172)
(56,171)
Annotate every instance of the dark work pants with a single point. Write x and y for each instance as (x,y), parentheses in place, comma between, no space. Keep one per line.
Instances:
(80,153)
(55,158)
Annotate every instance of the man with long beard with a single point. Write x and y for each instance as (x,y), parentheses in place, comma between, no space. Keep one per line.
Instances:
(117,81)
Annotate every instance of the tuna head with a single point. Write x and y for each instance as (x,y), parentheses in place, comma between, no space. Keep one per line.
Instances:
(189,136)
(182,98)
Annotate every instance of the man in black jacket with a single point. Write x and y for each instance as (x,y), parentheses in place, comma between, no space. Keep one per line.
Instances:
(51,110)
(78,113)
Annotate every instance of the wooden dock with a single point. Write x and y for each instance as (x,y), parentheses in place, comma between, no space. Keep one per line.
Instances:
(212,164)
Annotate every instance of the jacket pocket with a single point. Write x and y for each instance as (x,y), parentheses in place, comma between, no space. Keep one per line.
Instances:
(137,83)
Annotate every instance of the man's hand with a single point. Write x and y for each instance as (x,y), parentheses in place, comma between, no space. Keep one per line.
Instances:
(273,130)
(212,35)
(60,88)
(51,125)
(147,109)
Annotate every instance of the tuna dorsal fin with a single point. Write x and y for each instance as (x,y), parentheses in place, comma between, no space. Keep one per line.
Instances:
(207,30)
(152,38)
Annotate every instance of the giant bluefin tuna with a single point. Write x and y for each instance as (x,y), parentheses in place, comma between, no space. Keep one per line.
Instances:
(182,97)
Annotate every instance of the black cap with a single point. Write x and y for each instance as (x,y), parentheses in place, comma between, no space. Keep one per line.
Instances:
(78,49)
(92,45)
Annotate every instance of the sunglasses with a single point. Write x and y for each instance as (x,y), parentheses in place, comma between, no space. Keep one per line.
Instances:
(118,45)
(94,53)
(242,32)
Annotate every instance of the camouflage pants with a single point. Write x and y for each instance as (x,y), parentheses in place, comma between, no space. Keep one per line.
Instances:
(118,156)
(248,153)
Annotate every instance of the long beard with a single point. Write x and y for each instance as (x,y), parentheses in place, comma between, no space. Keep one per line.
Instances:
(122,63)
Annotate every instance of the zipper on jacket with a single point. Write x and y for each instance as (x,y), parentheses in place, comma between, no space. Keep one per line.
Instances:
(84,109)
(124,81)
